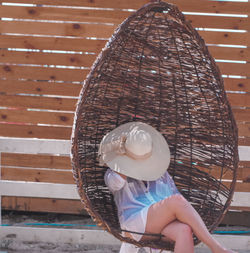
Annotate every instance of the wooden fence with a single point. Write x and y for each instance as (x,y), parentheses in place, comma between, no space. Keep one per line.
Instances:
(46,50)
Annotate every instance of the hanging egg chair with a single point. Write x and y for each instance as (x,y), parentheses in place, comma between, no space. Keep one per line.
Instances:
(156,69)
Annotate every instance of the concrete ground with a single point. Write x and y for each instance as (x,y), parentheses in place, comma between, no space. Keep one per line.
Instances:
(10,243)
(23,247)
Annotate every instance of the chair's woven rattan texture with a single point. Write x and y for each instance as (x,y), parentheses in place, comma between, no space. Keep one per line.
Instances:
(156,69)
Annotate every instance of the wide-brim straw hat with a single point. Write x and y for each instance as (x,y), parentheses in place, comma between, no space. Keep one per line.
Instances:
(136,150)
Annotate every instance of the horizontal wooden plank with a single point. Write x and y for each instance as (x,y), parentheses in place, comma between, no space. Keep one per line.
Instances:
(80,60)
(23,130)
(95,46)
(39,73)
(13,57)
(243,173)
(42,205)
(52,43)
(55,205)
(57,29)
(236,219)
(227,38)
(244,129)
(114,17)
(242,114)
(62,133)
(239,208)
(13,87)
(38,190)
(8,57)
(43,146)
(244,152)
(102,31)
(237,84)
(242,187)
(230,53)
(191,5)
(68,89)
(32,131)
(56,103)
(68,191)
(235,23)
(64,14)
(37,175)
(36,161)
(237,69)
(68,104)
(66,177)
(71,75)
(62,147)
(237,99)
(244,141)
(64,163)
(36,117)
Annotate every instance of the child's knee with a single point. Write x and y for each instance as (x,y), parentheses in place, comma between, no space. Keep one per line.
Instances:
(185,230)
(177,201)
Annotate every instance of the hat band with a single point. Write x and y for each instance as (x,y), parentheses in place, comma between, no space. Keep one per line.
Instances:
(118,146)
(137,157)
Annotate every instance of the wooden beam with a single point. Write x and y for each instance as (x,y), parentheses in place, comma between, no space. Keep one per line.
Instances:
(36,161)
(238,69)
(68,191)
(244,141)
(36,102)
(49,146)
(52,43)
(241,114)
(26,130)
(13,87)
(191,5)
(57,29)
(227,38)
(43,205)
(37,73)
(230,53)
(237,99)
(236,218)
(33,131)
(38,190)
(37,175)
(112,16)
(35,146)
(64,14)
(80,60)
(38,58)
(37,117)
(69,104)
(237,84)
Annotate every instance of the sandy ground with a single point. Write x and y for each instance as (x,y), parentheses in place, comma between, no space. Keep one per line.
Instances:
(8,245)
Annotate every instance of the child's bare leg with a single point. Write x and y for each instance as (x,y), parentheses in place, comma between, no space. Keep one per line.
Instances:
(177,207)
(182,235)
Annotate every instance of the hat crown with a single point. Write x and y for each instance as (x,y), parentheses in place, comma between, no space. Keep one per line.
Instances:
(139,142)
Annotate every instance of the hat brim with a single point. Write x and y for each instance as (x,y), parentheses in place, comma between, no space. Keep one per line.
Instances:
(148,169)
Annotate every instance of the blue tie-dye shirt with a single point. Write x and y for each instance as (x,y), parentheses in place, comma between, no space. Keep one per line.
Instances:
(133,198)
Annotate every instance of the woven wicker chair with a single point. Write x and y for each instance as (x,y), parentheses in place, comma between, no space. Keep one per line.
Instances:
(156,69)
